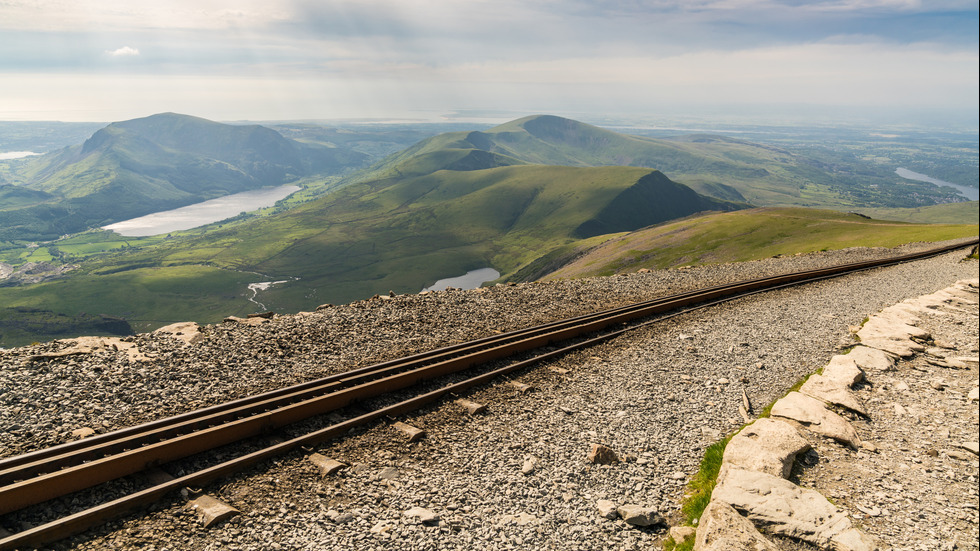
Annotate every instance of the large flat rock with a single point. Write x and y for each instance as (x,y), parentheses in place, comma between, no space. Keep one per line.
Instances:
(721,528)
(781,507)
(892,330)
(831,391)
(812,413)
(768,446)
(843,370)
(871,359)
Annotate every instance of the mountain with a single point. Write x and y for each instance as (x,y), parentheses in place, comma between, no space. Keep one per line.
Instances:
(948,213)
(164,161)
(748,235)
(402,234)
(524,198)
(717,166)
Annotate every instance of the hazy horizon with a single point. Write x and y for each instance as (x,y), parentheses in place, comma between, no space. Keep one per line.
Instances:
(439,60)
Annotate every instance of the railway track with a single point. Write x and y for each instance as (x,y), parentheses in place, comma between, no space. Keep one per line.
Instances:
(50,473)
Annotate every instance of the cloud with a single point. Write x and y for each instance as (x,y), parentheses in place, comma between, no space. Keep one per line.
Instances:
(125,51)
(296,58)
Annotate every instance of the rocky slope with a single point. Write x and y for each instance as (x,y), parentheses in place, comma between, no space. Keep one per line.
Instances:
(657,397)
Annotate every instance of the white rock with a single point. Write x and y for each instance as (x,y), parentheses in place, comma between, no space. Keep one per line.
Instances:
(871,359)
(812,413)
(972,447)
(782,507)
(607,509)
(891,330)
(721,528)
(768,446)
(187,331)
(424,515)
(832,392)
(843,370)
(381,528)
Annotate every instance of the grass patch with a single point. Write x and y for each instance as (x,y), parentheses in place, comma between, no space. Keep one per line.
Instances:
(751,235)
(799,384)
(700,488)
(703,483)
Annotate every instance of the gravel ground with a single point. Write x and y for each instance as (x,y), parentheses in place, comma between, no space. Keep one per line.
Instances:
(918,489)
(657,397)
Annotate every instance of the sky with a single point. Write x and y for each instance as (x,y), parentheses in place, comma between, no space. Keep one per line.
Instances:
(102,60)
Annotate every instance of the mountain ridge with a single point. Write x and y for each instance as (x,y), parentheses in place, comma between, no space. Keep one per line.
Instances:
(163,161)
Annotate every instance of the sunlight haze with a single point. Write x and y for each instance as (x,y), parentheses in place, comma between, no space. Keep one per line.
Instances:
(424,60)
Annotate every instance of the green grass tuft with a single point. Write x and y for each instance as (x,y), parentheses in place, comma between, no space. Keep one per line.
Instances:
(700,488)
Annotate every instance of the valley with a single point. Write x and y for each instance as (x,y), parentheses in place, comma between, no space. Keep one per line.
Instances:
(541,196)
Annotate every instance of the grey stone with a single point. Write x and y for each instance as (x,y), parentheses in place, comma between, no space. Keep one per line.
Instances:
(388,473)
(638,515)
(871,359)
(424,515)
(811,413)
(768,446)
(607,509)
(721,528)
(843,370)
(891,330)
(784,508)
(832,392)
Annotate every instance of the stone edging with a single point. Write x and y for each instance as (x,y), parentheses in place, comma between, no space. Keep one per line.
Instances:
(752,489)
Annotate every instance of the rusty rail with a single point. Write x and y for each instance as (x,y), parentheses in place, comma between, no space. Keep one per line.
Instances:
(53,472)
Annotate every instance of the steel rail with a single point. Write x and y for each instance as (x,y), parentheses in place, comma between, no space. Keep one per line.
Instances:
(55,457)
(392,378)
(84,450)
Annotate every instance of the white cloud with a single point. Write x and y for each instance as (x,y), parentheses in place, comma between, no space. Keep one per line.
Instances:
(125,51)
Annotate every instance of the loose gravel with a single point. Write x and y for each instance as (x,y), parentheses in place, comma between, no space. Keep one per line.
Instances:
(916,488)
(657,397)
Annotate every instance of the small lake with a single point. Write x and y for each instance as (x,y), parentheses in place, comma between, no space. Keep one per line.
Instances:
(200,214)
(469,280)
(7,155)
(971,193)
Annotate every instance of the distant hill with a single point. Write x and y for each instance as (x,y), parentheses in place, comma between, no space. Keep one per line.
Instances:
(948,213)
(402,234)
(164,161)
(747,235)
(721,167)
(525,198)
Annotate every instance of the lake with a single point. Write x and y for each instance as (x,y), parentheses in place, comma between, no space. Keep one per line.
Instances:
(200,214)
(970,193)
(469,280)
(7,155)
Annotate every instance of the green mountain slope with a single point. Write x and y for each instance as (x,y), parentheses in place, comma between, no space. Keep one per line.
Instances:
(524,198)
(721,167)
(401,235)
(949,213)
(749,235)
(135,167)
(364,239)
